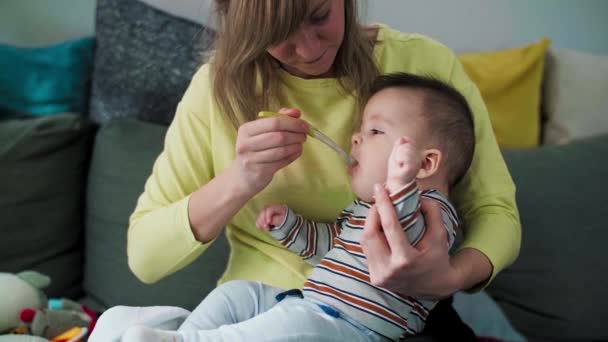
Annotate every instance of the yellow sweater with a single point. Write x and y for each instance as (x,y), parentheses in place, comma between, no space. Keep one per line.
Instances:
(200,144)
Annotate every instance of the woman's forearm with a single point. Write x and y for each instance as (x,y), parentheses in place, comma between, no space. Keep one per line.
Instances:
(213,205)
(474,268)
(163,239)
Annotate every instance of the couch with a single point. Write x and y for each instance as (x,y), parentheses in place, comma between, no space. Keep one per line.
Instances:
(68,184)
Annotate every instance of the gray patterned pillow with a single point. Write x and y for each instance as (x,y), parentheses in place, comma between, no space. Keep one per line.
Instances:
(144,61)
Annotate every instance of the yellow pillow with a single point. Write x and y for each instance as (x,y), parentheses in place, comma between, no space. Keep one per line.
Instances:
(510,84)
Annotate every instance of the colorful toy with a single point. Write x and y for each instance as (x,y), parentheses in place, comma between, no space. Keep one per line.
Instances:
(61,316)
(24,311)
(20,291)
(72,335)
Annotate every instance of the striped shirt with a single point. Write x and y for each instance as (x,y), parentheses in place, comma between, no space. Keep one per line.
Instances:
(341,276)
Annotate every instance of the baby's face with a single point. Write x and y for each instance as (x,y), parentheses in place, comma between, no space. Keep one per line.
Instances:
(388,115)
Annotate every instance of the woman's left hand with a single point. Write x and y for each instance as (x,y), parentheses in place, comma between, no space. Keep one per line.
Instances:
(423,271)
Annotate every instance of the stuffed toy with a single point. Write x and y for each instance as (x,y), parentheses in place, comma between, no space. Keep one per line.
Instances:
(60,316)
(24,310)
(20,291)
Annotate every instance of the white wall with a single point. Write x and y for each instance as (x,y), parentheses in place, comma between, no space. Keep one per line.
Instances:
(42,22)
(467,25)
(470,25)
(461,24)
(464,25)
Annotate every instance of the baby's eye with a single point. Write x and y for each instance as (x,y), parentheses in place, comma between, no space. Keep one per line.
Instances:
(374,131)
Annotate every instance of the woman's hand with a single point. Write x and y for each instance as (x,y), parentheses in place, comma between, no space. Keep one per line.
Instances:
(265,146)
(423,271)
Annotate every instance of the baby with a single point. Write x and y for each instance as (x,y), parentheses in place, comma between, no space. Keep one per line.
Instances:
(417,140)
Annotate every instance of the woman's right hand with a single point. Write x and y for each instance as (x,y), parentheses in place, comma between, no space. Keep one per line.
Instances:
(264,146)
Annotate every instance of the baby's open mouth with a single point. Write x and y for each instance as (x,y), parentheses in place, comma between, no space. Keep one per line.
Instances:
(354,164)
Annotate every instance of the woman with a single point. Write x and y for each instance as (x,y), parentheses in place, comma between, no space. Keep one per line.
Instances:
(220,166)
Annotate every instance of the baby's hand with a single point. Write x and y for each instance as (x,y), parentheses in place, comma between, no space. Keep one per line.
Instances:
(403,164)
(271,216)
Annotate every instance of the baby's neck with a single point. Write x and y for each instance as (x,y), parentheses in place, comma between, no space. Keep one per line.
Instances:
(433,183)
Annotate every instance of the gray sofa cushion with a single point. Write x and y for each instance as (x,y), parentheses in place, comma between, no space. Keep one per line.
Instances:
(43,165)
(557,287)
(144,61)
(124,153)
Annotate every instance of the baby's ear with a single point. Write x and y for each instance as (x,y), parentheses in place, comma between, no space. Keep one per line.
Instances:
(431,159)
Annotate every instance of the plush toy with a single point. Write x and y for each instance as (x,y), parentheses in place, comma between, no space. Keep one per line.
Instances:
(60,316)
(20,291)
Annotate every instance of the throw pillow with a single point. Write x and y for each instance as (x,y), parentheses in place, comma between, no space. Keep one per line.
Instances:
(510,83)
(556,290)
(199,11)
(46,80)
(576,104)
(124,153)
(42,176)
(144,61)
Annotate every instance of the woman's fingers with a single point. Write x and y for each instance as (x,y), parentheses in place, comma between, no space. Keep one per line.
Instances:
(293,112)
(435,235)
(397,241)
(423,271)
(274,166)
(275,124)
(266,145)
(273,154)
(268,140)
(374,242)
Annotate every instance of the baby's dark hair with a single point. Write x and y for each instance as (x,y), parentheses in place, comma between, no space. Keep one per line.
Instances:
(447,114)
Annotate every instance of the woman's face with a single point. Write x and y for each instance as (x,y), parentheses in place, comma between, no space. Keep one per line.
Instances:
(311,50)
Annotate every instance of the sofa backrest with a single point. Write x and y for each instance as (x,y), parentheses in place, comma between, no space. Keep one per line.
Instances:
(124,153)
(43,168)
(557,287)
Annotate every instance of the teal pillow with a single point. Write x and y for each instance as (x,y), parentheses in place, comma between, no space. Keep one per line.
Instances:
(46,80)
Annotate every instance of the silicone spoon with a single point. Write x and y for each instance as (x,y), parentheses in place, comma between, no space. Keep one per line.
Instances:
(317,134)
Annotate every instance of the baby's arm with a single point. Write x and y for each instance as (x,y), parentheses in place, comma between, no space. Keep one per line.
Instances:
(403,165)
(448,215)
(308,239)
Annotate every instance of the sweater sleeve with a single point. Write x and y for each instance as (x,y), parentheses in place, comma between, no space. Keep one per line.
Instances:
(485,197)
(308,239)
(160,240)
(406,201)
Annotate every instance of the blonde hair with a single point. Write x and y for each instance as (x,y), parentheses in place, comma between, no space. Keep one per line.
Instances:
(244,75)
